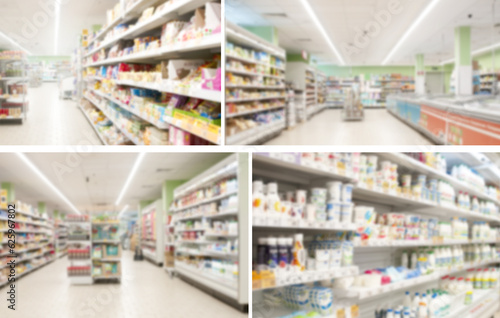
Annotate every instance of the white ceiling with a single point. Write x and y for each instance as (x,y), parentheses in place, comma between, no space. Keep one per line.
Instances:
(343,20)
(93,182)
(76,15)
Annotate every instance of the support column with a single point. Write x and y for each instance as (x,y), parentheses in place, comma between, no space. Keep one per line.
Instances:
(463,61)
(42,208)
(167,195)
(419,74)
(10,194)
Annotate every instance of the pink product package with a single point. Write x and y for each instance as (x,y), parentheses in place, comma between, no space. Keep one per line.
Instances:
(212,79)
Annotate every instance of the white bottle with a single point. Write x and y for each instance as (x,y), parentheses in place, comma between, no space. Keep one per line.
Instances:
(273,199)
(414,260)
(422,310)
(407,302)
(404,259)
(390,314)
(258,198)
(415,302)
(434,307)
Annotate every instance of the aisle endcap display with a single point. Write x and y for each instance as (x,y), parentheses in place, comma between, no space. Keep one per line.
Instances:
(152,232)
(13,86)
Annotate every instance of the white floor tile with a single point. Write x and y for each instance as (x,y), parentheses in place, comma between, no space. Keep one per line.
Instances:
(327,128)
(146,291)
(51,121)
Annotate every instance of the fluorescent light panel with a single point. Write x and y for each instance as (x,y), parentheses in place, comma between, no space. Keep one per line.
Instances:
(408,32)
(322,30)
(14,43)
(47,181)
(130,177)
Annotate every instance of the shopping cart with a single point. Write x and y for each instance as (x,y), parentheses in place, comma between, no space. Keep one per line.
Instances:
(66,87)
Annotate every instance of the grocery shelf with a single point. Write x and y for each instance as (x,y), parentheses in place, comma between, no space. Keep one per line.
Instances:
(252,61)
(210,216)
(218,235)
(197,127)
(205,201)
(365,293)
(232,115)
(124,131)
(130,110)
(244,100)
(29,271)
(281,223)
(205,43)
(106,241)
(212,281)
(416,166)
(26,222)
(254,134)
(256,87)
(484,305)
(243,72)
(416,243)
(313,276)
(263,164)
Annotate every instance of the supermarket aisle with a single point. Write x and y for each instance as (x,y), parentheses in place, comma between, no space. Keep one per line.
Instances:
(328,128)
(145,291)
(51,121)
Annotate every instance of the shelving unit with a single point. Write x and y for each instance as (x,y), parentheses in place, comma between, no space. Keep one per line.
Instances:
(195,239)
(79,238)
(13,89)
(105,250)
(293,173)
(32,253)
(489,83)
(378,88)
(255,83)
(61,229)
(131,23)
(152,232)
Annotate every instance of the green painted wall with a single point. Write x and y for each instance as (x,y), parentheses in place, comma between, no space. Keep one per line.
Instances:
(486,60)
(350,71)
(268,33)
(462,45)
(11,193)
(298,58)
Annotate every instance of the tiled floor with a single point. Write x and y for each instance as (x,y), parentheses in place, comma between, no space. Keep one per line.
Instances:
(146,291)
(327,128)
(51,121)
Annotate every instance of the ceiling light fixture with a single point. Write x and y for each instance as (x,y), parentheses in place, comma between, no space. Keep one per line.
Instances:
(130,177)
(322,30)
(46,180)
(58,22)
(412,28)
(14,43)
(120,215)
(476,52)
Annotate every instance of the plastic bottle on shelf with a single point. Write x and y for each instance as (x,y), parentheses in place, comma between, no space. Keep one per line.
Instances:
(431,261)
(478,279)
(397,313)
(407,301)
(467,201)
(272,244)
(415,302)
(283,260)
(486,279)
(414,260)
(434,307)
(299,253)
(262,254)
(390,313)
(273,199)
(475,204)
(258,198)
(404,259)
(422,310)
